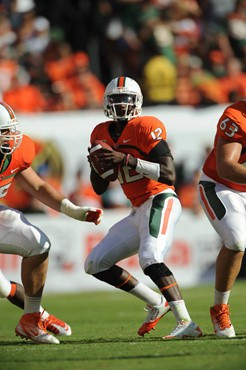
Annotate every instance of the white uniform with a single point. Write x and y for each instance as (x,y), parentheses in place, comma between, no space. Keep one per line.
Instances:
(148,231)
(224,201)
(231,204)
(20,237)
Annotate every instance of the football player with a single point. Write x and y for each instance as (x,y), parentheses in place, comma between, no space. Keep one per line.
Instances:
(14,292)
(222,192)
(20,237)
(146,175)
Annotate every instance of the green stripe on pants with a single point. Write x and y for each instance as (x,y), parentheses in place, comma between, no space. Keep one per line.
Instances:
(156,212)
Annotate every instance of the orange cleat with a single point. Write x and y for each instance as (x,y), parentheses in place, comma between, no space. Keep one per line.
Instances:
(56,326)
(153,317)
(32,327)
(220,317)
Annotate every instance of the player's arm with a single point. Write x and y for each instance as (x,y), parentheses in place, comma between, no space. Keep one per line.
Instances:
(98,183)
(48,195)
(227,157)
(38,188)
(158,167)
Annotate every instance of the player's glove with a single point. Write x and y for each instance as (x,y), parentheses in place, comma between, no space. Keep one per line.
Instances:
(88,214)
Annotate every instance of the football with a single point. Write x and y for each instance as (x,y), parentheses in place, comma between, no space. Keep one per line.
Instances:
(109,173)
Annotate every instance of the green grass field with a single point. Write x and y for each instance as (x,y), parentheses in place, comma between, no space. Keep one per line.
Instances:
(104,336)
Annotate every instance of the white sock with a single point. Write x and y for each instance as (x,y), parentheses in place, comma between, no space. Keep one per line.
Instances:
(32,304)
(5,286)
(221,297)
(146,294)
(179,310)
(44,313)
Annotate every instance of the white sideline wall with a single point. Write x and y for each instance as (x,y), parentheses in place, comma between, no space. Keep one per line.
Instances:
(195,246)
(191,257)
(189,130)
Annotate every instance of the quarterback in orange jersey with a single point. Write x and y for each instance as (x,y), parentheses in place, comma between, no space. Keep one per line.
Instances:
(222,192)
(146,174)
(18,236)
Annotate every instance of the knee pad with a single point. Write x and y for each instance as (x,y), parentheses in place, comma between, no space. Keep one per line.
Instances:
(94,263)
(110,276)
(157,271)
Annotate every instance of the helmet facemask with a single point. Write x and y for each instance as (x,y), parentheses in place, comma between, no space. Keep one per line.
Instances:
(122,106)
(10,136)
(10,139)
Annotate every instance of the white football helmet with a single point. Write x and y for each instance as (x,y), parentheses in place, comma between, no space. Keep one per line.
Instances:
(10,137)
(123,99)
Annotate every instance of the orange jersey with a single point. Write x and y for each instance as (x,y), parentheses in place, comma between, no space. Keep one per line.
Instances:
(20,159)
(139,137)
(231,127)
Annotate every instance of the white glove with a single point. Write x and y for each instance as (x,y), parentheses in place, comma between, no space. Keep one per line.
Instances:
(88,214)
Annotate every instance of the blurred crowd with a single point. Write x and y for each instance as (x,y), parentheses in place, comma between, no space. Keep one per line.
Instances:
(59,55)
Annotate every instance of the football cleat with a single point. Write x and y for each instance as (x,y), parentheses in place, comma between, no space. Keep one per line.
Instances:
(185,330)
(56,326)
(32,327)
(153,317)
(220,317)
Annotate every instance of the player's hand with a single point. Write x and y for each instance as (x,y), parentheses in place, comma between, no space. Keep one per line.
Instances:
(87,214)
(111,157)
(97,164)
(92,214)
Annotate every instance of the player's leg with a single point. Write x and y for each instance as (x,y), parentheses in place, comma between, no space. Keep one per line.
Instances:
(16,295)
(14,292)
(121,242)
(33,245)
(156,238)
(225,210)
(228,265)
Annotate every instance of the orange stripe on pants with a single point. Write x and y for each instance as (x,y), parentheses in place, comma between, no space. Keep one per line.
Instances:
(167,215)
(208,208)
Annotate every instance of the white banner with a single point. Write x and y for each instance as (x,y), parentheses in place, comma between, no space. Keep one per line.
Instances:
(189,131)
(195,247)
(191,257)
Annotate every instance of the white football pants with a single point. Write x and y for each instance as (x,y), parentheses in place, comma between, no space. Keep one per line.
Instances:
(18,236)
(148,231)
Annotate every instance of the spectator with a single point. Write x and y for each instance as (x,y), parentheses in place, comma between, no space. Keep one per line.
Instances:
(24,97)
(138,38)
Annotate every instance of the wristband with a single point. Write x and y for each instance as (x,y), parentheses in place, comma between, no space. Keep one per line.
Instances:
(148,169)
(126,159)
(73,211)
(88,214)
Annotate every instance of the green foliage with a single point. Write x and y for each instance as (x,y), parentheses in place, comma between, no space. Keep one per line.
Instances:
(105,336)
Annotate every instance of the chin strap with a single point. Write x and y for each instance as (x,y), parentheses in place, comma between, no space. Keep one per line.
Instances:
(88,214)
